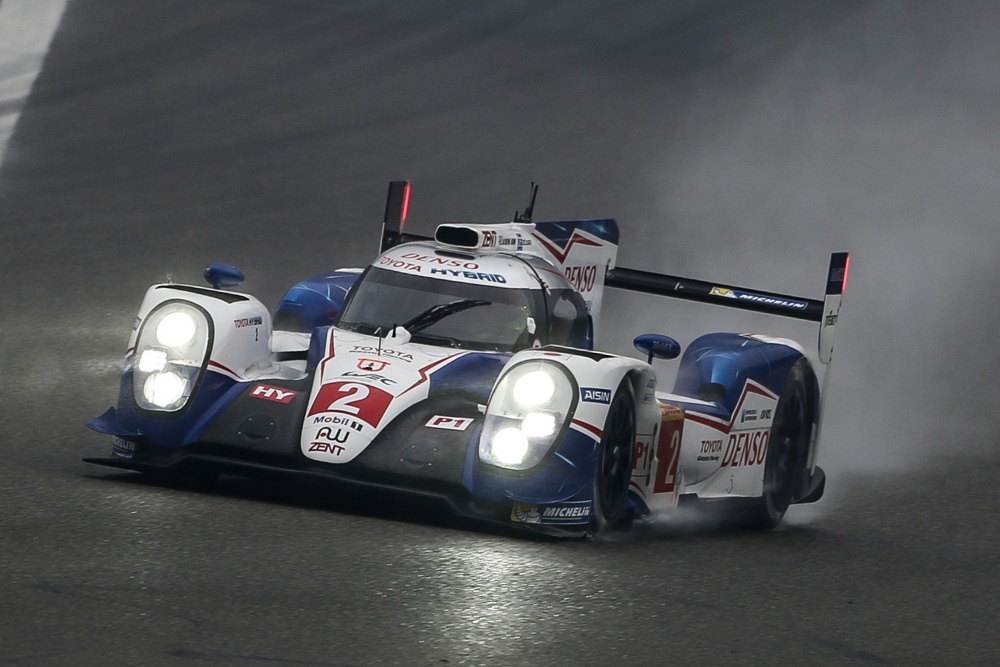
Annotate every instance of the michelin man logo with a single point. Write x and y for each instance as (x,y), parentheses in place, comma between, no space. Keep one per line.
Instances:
(525,513)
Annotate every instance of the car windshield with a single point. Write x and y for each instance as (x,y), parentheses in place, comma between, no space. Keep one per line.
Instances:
(469,315)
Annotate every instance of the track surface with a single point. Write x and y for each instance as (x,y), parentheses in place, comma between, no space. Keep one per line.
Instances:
(169,134)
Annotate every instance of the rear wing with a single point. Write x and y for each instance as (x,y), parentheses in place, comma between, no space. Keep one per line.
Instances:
(825,312)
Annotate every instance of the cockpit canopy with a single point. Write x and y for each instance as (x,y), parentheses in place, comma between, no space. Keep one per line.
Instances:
(502,304)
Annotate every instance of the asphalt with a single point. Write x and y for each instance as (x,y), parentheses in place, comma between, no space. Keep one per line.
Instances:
(732,141)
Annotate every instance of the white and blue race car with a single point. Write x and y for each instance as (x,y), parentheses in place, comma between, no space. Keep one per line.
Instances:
(463,367)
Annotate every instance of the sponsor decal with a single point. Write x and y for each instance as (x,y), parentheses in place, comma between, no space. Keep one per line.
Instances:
(122,447)
(338,420)
(668,450)
(449,423)
(398,264)
(363,401)
(595,395)
(566,513)
(372,365)
(711,446)
(758,298)
(766,414)
(440,261)
(746,448)
(582,278)
(275,394)
(244,322)
(470,275)
(490,238)
(748,416)
(383,352)
(327,433)
(327,447)
(559,513)
(525,513)
(518,241)
(374,377)
(713,457)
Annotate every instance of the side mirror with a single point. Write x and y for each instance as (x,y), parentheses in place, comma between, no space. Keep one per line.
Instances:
(221,275)
(655,345)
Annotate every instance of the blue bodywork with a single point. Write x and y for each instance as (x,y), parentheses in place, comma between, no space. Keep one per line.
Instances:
(716,366)
(315,302)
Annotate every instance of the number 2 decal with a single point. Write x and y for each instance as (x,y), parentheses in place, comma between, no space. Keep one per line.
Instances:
(668,450)
(357,393)
(352,398)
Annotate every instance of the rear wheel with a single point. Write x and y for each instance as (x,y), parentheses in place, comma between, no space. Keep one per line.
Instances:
(787,451)
(614,460)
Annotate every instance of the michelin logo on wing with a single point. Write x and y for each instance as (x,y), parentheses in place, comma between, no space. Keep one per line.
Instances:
(758,298)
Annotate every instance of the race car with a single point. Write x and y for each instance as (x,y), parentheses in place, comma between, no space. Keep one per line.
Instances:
(463,367)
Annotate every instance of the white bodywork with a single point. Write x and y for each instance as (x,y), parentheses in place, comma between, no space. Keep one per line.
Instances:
(362,384)
(241,338)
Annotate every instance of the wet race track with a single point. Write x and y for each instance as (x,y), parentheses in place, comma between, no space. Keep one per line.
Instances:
(732,141)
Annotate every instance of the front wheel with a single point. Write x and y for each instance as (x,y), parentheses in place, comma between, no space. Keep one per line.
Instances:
(614,460)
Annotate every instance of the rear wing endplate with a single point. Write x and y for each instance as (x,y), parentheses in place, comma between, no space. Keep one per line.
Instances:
(397,207)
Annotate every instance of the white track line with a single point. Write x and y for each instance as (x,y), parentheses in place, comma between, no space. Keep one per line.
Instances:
(26,28)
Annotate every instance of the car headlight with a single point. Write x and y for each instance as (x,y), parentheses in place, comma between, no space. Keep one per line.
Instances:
(170,355)
(176,329)
(531,404)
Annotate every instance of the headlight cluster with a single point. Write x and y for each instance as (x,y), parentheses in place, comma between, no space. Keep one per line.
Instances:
(169,356)
(529,407)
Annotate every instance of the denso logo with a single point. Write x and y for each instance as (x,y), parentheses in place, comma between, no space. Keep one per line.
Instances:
(443,261)
(582,278)
(746,448)
(595,395)
(275,394)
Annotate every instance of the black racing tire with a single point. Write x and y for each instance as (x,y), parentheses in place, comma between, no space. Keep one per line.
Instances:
(613,469)
(787,450)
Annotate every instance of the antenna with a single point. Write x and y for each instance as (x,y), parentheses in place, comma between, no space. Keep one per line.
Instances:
(526,217)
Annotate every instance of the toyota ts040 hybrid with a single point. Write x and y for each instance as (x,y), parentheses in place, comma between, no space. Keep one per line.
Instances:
(462,366)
